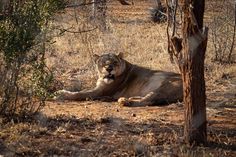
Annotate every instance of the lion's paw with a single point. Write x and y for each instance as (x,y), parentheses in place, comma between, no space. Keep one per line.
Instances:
(60,95)
(123,101)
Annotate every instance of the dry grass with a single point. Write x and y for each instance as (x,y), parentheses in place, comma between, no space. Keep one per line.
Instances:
(94,128)
(105,129)
(130,31)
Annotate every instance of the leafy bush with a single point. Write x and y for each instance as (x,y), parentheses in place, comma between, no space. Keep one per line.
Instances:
(24,78)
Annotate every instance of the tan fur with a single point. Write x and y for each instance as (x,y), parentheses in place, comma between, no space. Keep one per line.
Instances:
(130,84)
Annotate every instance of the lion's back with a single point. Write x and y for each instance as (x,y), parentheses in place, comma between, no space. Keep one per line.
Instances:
(141,81)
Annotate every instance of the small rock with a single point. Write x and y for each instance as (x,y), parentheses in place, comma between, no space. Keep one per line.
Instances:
(86,139)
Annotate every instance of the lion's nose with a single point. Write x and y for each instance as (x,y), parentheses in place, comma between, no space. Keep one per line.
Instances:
(109,69)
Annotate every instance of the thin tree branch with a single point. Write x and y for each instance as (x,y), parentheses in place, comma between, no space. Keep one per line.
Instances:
(168,34)
(234,34)
(174,18)
(79,5)
(82,31)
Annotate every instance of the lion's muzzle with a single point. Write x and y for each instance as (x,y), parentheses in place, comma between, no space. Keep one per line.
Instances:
(109,78)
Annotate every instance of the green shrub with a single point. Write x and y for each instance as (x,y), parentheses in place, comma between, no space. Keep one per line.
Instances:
(24,36)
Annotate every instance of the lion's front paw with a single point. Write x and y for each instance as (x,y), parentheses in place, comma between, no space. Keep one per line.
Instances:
(61,95)
(123,101)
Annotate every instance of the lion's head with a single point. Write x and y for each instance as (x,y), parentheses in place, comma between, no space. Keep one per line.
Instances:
(109,66)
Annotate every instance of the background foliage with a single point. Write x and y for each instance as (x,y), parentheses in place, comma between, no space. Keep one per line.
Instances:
(24,35)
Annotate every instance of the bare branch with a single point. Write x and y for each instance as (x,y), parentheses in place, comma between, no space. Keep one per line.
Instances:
(81,4)
(76,32)
(234,34)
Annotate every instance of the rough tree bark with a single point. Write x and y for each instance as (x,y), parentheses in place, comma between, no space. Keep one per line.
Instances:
(190,52)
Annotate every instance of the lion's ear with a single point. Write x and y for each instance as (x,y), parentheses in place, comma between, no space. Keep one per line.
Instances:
(95,57)
(121,55)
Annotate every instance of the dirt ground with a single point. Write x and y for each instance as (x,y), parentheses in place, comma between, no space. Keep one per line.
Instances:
(94,128)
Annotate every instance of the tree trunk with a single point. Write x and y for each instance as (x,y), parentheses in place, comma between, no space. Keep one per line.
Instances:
(192,68)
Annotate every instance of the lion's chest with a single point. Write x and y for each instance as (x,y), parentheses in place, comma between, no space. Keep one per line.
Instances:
(141,85)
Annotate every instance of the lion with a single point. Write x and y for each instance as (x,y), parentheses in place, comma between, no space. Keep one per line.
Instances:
(130,84)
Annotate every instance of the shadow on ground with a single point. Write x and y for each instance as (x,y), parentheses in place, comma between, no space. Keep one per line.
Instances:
(65,135)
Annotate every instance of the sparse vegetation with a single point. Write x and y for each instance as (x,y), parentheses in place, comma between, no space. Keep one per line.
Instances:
(23,38)
(94,128)
(223,31)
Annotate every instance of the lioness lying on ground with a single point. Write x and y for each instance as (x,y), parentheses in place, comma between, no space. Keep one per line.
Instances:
(130,84)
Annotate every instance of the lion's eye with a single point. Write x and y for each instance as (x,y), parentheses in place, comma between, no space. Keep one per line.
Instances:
(115,63)
(103,63)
